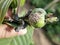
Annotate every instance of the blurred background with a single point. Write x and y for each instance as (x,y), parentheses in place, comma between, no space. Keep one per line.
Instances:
(48,35)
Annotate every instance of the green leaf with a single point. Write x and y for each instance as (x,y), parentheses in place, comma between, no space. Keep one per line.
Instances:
(4,5)
(19,40)
(14,4)
(22,2)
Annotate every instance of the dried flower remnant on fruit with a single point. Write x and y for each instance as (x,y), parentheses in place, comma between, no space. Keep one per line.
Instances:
(52,19)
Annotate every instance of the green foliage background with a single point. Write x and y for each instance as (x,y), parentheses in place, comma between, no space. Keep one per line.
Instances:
(40,3)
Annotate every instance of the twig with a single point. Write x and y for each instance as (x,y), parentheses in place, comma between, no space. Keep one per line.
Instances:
(51,4)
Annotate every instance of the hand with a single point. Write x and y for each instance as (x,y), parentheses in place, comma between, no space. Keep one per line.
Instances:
(7,31)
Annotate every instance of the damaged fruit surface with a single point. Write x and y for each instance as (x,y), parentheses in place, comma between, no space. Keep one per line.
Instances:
(37,17)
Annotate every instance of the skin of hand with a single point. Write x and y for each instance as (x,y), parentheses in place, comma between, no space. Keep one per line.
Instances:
(7,31)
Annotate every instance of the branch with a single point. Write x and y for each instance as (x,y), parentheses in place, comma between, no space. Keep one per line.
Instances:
(51,4)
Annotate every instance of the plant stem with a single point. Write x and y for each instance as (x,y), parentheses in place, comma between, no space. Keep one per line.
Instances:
(51,4)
